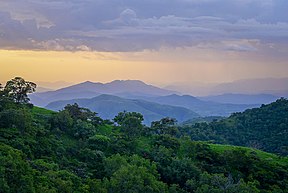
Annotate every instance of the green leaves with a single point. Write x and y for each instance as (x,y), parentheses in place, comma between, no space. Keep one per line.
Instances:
(165,126)
(262,128)
(130,123)
(16,175)
(17,90)
(134,175)
(67,151)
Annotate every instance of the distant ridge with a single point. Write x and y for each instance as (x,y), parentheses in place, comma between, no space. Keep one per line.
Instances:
(274,86)
(108,106)
(135,89)
(90,89)
(117,86)
(241,98)
(204,108)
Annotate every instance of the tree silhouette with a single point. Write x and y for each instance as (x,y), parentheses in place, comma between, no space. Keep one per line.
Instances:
(17,89)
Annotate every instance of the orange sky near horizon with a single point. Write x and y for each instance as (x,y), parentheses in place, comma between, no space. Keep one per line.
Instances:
(155,67)
(81,66)
(67,66)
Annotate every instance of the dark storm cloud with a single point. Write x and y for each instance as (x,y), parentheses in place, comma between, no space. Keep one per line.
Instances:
(133,25)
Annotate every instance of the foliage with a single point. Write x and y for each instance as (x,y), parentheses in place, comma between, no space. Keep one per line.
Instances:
(264,128)
(81,113)
(164,126)
(66,151)
(17,90)
(16,174)
(130,122)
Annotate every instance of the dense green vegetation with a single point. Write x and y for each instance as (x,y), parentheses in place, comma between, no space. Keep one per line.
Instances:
(74,150)
(264,128)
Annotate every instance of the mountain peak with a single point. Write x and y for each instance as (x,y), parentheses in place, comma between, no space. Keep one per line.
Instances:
(90,89)
(176,96)
(88,82)
(127,82)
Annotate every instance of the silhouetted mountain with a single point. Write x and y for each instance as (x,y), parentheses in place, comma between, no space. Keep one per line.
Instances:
(241,98)
(42,99)
(134,89)
(108,106)
(90,89)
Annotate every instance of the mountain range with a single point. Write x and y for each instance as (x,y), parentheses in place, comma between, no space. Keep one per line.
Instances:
(89,90)
(203,108)
(108,106)
(241,98)
(153,102)
(274,86)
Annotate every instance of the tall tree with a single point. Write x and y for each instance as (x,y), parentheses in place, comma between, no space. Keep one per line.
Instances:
(1,90)
(165,126)
(130,122)
(18,89)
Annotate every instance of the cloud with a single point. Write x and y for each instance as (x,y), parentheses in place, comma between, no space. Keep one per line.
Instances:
(233,45)
(132,25)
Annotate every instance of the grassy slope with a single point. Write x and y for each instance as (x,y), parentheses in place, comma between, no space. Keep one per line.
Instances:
(41,111)
(271,158)
(144,142)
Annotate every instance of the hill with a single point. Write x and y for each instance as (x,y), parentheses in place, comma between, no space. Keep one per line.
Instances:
(264,128)
(90,89)
(273,86)
(134,89)
(241,98)
(204,108)
(76,151)
(108,106)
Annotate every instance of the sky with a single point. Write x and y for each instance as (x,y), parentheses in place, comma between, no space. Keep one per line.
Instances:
(157,41)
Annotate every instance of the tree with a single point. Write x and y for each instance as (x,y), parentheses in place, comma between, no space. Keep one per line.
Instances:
(99,142)
(62,121)
(17,90)
(133,175)
(165,126)
(167,141)
(1,94)
(122,116)
(179,171)
(94,160)
(16,175)
(83,114)
(16,118)
(83,129)
(216,183)
(130,122)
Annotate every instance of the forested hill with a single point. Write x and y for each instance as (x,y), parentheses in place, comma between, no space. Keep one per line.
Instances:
(264,128)
(74,150)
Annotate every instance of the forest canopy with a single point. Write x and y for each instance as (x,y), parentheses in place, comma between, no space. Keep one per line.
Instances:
(74,150)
